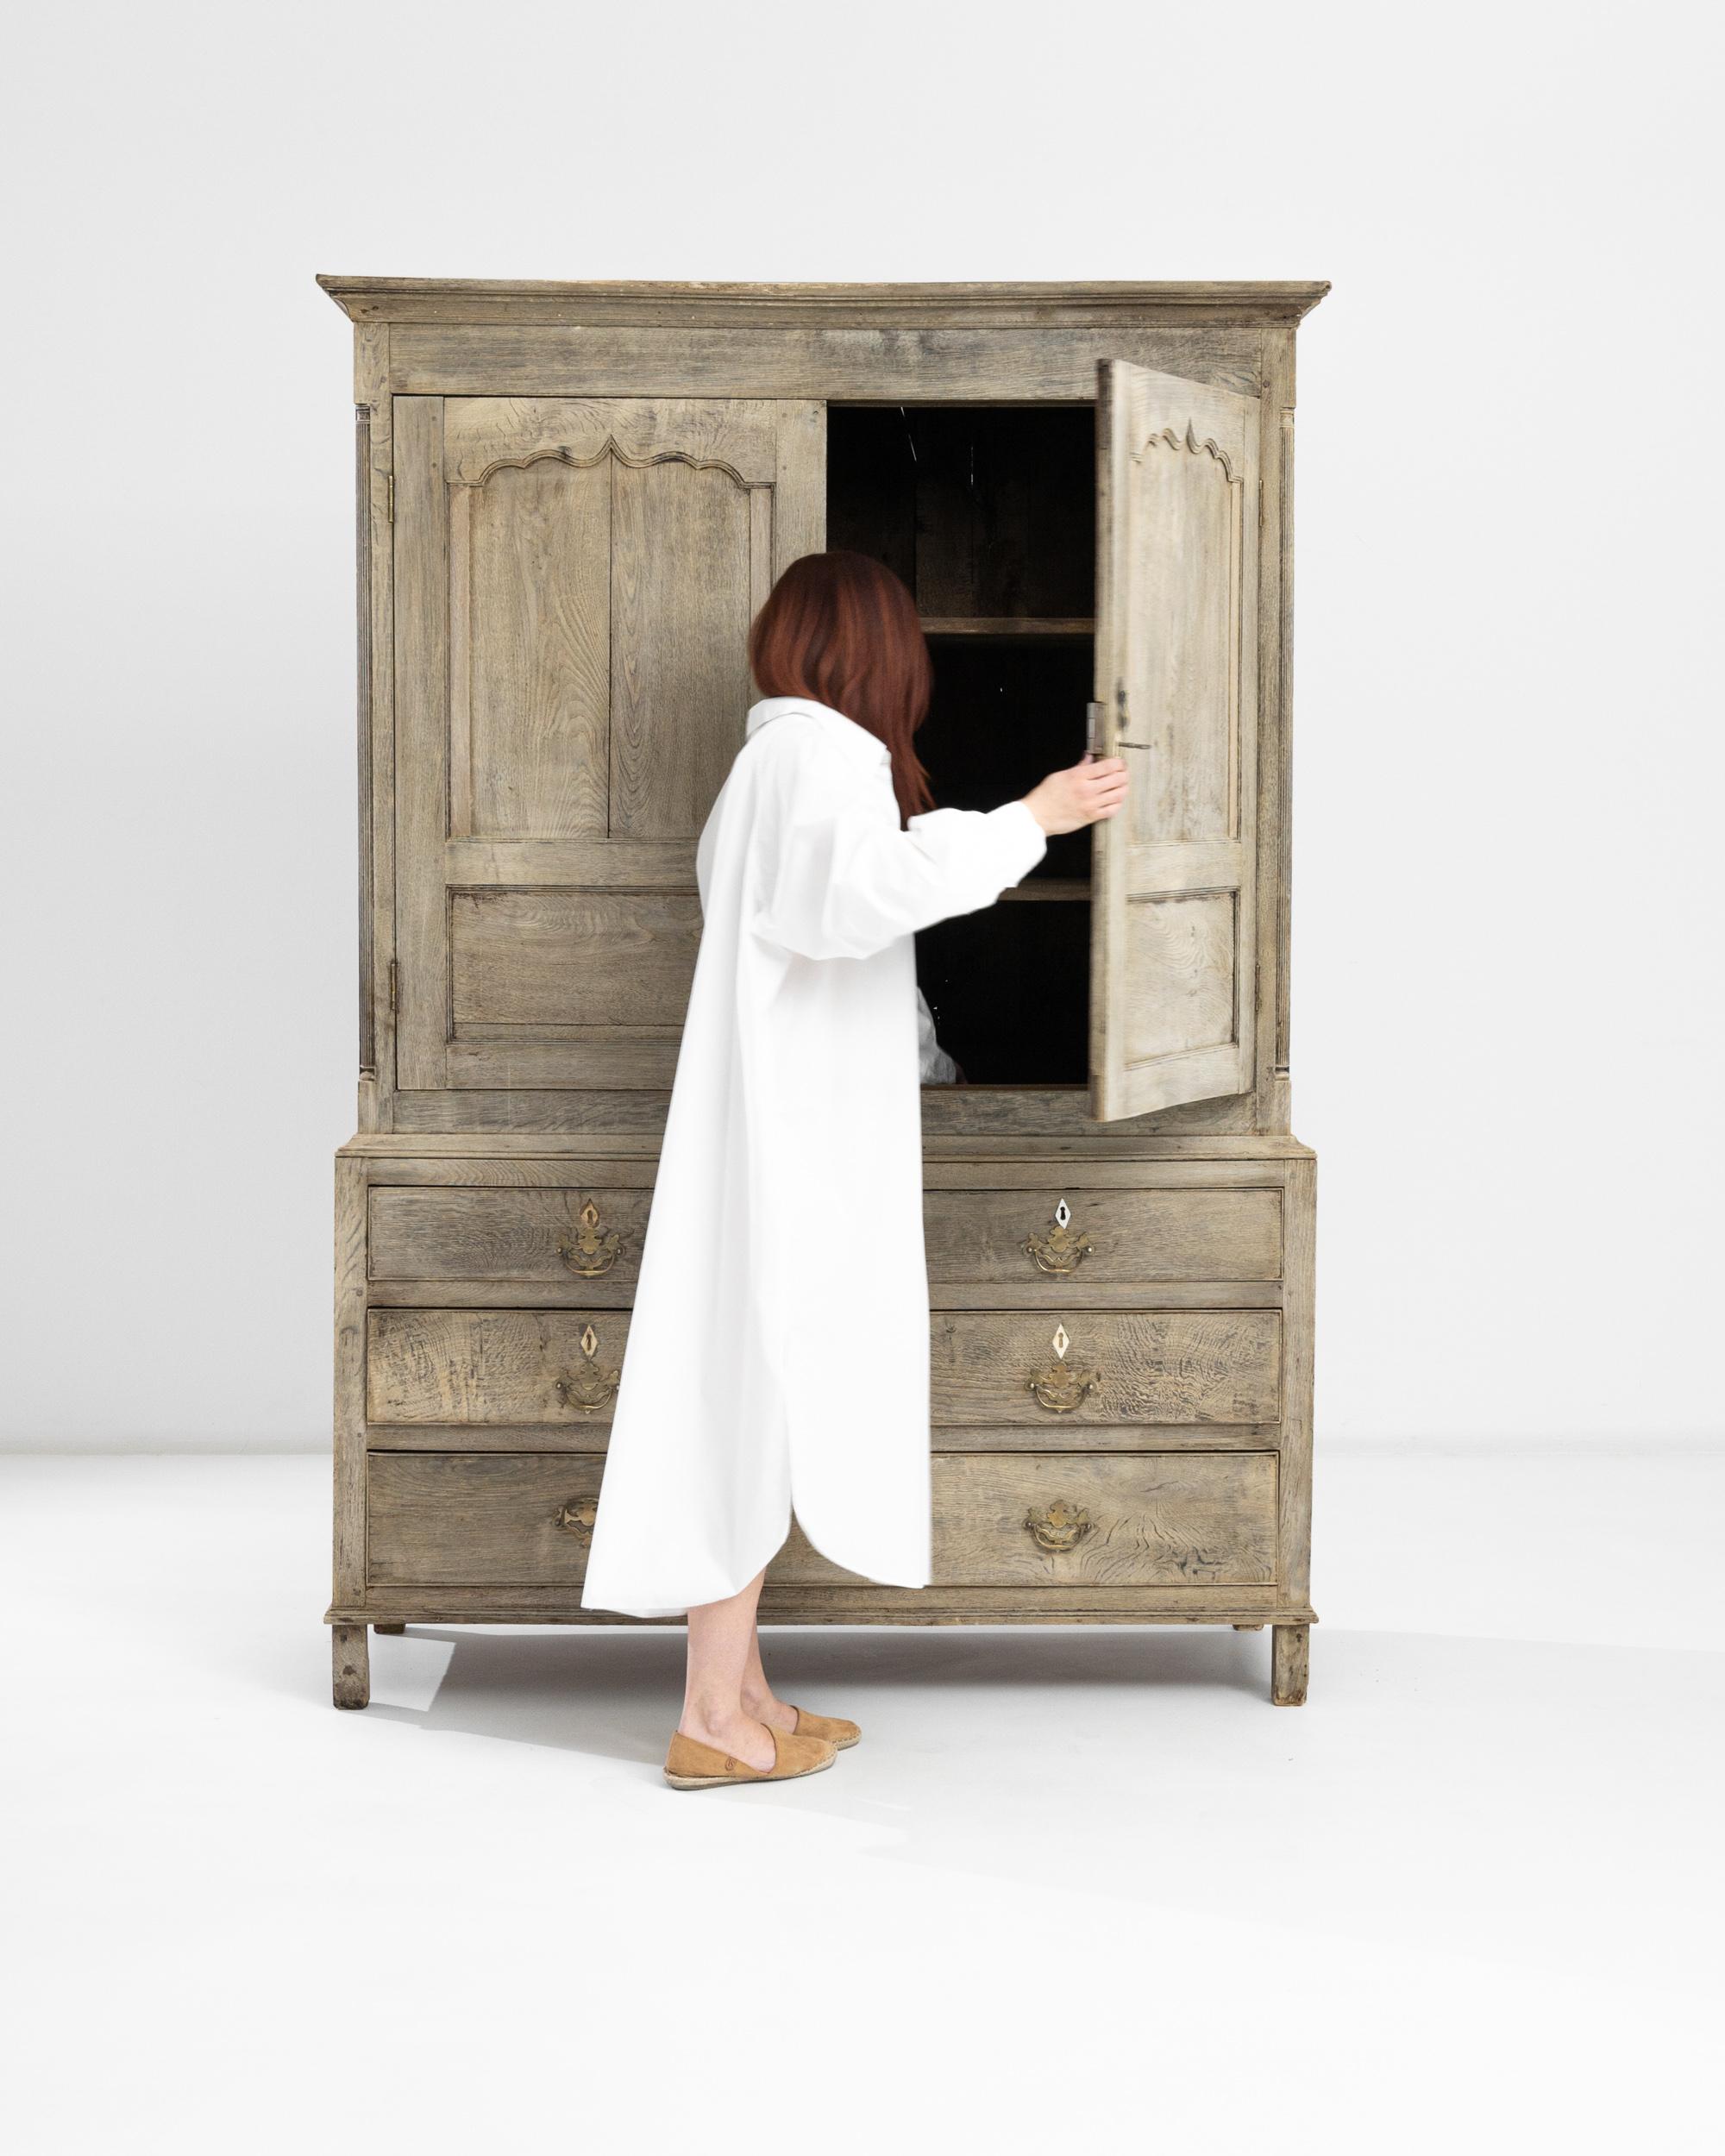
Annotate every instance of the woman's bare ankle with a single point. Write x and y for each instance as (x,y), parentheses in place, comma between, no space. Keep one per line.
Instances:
(767,1706)
(730,1729)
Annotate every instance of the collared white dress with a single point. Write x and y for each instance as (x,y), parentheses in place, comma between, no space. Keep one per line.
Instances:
(778,1350)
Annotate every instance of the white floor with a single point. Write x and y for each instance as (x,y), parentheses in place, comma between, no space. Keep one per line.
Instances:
(1074,1890)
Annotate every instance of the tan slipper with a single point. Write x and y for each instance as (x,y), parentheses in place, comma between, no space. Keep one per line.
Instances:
(689,1766)
(839,1733)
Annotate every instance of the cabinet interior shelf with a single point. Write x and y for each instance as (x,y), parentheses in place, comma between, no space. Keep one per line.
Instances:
(1050,887)
(1007,625)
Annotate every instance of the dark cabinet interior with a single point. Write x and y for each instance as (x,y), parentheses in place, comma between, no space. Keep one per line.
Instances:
(987,512)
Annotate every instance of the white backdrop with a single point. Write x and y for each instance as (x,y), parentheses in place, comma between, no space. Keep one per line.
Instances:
(1507,1031)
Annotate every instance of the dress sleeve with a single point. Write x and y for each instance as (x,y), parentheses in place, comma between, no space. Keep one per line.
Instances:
(843,881)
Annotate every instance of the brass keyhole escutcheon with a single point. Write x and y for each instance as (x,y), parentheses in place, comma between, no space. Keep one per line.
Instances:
(590,1387)
(579,1517)
(1057,1250)
(1063,1386)
(1058,1528)
(591,1250)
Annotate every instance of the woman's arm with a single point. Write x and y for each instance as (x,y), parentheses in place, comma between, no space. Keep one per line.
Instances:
(843,880)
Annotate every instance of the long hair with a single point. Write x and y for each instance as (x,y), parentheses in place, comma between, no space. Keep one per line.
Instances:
(842,630)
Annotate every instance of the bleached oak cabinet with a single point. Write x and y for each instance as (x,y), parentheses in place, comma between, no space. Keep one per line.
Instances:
(573,499)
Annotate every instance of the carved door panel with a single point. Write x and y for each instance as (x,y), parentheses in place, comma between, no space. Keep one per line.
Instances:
(1173,962)
(574,581)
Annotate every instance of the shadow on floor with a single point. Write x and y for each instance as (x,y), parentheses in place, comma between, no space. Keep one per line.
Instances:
(616,1694)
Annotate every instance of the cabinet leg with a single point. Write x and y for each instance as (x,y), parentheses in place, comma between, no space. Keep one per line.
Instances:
(1289,1659)
(394,1630)
(351,1664)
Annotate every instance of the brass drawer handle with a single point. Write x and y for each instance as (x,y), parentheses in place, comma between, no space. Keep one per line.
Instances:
(591,1251)
(579,1516)
(1060,1528)
(1059,1251)
(1063,1386)
(591,1387)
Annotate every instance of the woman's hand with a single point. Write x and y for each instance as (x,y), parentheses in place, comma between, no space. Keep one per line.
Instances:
(1089,792)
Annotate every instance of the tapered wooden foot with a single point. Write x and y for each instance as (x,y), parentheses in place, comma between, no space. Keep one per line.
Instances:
(393,1630)
(1289,1660)
(351,1665)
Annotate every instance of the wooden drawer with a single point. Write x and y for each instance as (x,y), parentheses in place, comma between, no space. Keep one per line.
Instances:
(583,1239)
(1088,1520)
(587,1238)
(1021,1520)
(1084,1368)
(494,1366)
(1106,1236)
(478,1519)
(1142,1369)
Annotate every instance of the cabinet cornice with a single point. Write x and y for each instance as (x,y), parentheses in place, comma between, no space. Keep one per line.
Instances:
(1049,306)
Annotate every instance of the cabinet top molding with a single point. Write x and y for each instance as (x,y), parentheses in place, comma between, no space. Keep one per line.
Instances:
(436,299)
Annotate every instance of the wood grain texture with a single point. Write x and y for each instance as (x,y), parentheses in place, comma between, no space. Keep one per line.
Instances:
(1131,1235)
(371,363)
(1141,1520)
(349,1371)
(734,435)
(377,893)
(493,1366)
(1300,1319)
(1181,1519)
(686,555)
(531,1237)
(950,1114)
(952,365)
(527,772)
(1180,974)
(362,459)
(350,1665)
(507,1156)
(530,628)
(551,1068)
(1183,1366)
(1275,714)
(1045,305)
(503,1367)
(1290,1661)
(1175,933)
(850,1605)
(567,1436)
(568,963)
(421,720)
(575,580)
(471,1519)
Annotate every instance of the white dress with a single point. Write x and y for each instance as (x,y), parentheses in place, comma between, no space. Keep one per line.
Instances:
(778,1350)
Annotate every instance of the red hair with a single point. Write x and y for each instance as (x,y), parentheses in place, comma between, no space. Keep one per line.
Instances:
(842,628)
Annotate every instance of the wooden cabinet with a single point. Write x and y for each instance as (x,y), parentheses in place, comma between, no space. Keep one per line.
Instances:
(573,499)
(574,582)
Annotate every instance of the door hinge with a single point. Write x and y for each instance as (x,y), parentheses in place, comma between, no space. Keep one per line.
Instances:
(392,497)
(392,988)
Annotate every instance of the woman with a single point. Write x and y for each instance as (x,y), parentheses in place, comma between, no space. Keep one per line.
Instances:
(778,1352)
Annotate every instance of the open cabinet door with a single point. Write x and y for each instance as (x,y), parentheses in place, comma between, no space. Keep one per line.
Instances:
(1172,988)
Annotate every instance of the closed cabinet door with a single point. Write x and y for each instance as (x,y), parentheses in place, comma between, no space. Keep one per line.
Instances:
(575,580)
(1173,989)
